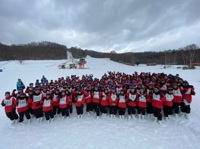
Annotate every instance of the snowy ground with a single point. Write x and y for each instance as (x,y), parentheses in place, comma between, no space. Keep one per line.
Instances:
(89,133)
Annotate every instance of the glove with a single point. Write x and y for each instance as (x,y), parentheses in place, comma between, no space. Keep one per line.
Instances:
(14,90)
(3,104)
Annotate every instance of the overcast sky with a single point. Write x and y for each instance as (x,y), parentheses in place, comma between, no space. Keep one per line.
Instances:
(102,25)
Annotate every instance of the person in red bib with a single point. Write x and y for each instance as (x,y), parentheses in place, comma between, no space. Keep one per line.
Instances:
(47,107)
(188,91)
(9,103)
(168,104)
(131,98)
(22,107)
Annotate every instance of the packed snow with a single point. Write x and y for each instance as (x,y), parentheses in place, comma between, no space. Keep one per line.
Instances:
(88,132)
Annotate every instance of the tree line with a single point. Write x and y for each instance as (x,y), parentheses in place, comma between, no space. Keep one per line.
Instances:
(52,51)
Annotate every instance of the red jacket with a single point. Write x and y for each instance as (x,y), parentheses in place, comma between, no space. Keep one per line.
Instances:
(177,96)
(79,100)
(36,101)
(188,92)
(113,99)
(88,97)
(104,99)
(131,99)
(157,101)
(69,100)
(168,100)
(122,101)
(47,105)
(55,100)
(9,104)
(96,96)
(63,102)
(22,105)
(141,101)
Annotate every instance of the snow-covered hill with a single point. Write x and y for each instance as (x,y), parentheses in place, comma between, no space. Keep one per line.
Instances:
(88,132)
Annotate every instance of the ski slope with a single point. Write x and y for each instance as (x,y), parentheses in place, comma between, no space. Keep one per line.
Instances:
(88,132)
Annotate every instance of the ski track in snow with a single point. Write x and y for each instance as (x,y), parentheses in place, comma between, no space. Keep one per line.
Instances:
(88,132)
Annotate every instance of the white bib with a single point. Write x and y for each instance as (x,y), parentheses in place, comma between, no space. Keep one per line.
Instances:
(142,98)
(104,96)
(177,92)
(113,97)
(63,100)
(121,98)
(8,102)
(156,97)
(169,97)
(79,97)
(132,97)
(47,103)
(96,94)
(22,103)
(37,98)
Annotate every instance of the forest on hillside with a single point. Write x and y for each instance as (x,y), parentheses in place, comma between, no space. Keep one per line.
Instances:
(52,51)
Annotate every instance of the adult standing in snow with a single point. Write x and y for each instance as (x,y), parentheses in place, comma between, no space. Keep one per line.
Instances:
(20,85)
(9,103)
(43,80)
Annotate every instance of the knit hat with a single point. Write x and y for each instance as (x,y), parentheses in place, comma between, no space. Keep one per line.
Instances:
(7,93)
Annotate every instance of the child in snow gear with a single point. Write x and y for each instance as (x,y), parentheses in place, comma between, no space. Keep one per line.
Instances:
(9,103)
(188,91)
(157,103)
(22,107)
(55,98)
(47,107)
(141,103)
(122,104)
(104,102)
(168,104)
(113,101)
(79,103)
(63,105)
(131,98)
(36,104)
(96,100)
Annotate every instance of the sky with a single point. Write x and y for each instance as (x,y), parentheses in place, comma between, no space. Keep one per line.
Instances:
(102,25)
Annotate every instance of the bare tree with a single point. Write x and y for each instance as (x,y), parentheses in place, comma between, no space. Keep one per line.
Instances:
(188,54)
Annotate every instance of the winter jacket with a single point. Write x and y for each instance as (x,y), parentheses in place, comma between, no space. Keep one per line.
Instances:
(9,104)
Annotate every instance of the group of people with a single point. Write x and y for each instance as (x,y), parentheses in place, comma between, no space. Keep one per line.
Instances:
(115,93)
